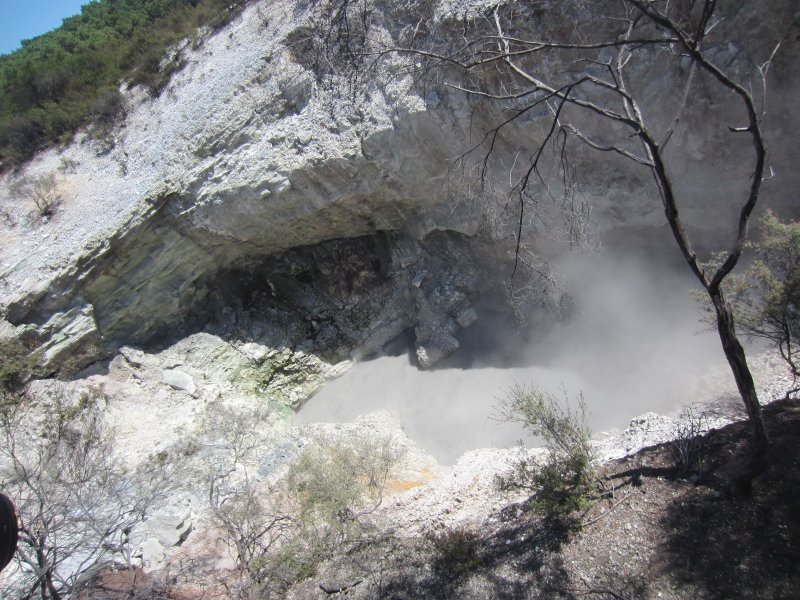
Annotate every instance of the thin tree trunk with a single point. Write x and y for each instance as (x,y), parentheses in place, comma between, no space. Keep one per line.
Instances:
(734,352)
(741,372)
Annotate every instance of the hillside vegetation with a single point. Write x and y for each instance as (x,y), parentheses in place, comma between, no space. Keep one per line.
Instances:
(70,77)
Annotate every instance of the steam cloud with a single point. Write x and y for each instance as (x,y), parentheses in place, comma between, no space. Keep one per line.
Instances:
(632,345)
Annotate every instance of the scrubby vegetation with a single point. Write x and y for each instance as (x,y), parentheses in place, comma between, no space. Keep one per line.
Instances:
(766,297)
(42,192)
(70,77)
(689,448)
(278,531)
(455,553)
(17,364)
(76,502)
(565,480)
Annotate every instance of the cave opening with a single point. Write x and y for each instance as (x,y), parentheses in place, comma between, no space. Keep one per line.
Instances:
(632,344)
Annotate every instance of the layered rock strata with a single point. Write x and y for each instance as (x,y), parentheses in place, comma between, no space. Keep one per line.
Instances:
(252,152)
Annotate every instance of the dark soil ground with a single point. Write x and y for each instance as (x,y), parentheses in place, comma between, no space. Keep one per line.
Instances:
(706,530)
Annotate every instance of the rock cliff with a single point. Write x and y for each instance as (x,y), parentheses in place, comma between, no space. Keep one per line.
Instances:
(328,213)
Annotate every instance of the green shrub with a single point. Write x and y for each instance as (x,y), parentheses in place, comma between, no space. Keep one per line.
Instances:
(17,364)
(20,137)
(64,79)
(107,107)
(279,532)
(766,297)
(337,483)
(565,481)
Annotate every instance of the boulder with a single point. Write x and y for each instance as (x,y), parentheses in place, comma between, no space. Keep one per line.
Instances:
(179,380)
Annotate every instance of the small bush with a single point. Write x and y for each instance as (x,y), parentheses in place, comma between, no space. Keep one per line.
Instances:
(337,483)
(107,107)
(20,138)
(68,165)
(689,447)
(17,364)
(279,532)
(42,191)
(566,479)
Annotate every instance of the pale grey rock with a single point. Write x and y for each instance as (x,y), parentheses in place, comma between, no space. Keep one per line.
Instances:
(150,552)
(157,537)
(419,278)
(66,335)
(245,157)
(440,345)
(170,528)
(647,429)
(133,356)
(179,380)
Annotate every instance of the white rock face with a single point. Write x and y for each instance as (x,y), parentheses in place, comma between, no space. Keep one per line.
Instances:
(179,380)
(246,155)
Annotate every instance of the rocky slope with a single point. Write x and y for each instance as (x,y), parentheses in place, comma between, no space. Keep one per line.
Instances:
(247,155)
(161,406)
(257,228)
(659,536)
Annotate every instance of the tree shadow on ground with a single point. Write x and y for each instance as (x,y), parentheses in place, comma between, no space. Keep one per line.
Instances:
(714,529)
(743,540)
(457,564)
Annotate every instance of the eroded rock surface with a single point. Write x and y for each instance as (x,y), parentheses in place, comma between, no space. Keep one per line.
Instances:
(248,155)
(252,232)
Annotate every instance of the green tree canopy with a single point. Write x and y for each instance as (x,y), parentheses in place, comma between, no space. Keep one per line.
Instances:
(65,79)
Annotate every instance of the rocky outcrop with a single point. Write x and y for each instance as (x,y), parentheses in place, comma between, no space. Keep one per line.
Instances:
(347,298)
(253,158)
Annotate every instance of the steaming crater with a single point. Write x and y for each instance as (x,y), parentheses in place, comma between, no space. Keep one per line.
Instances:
(633,344)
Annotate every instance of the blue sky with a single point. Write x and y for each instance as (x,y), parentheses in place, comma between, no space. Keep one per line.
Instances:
(24,19)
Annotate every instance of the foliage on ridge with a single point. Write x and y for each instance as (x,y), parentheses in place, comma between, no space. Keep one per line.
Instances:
(70,77)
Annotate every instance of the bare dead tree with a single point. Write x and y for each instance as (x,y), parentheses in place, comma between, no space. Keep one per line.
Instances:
(251,528)
(595,96)
(76,503)
(244,510)
(42,191)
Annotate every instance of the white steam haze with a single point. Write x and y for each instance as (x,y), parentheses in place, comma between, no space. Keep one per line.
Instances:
(634,344)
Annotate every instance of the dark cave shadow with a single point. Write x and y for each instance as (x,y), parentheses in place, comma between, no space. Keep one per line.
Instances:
(401,345)
(492,342)
(489,343)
